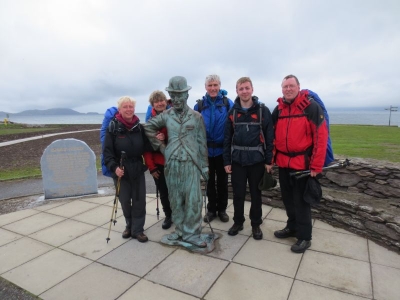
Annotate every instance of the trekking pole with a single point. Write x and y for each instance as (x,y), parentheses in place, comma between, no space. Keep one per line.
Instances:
(301,174)
(116,198)
(205,207)
(157,209)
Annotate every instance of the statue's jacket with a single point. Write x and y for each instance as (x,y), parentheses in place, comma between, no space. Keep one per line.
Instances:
(186,136)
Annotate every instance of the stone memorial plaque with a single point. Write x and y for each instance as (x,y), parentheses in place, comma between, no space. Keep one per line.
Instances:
(68,169)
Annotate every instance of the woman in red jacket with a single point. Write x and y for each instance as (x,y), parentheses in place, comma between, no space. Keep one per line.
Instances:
(155,160)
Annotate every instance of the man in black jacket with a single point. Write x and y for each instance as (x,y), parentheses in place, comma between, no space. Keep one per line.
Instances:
(248,145)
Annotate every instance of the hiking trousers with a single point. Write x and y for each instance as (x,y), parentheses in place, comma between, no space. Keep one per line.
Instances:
(217,190)
(297,210)
(239,178)
(163,190)
(132,196)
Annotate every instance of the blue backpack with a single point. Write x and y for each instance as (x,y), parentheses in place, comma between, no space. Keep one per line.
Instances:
(329,151)
(108,117)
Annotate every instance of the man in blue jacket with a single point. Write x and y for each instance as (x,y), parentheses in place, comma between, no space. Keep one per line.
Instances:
(214,108)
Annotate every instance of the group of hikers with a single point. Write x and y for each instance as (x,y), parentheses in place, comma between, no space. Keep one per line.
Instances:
(181,146)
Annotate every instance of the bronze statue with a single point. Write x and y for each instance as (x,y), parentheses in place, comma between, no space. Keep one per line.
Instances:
(185,163)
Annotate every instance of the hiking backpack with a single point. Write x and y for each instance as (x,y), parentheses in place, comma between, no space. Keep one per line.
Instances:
(225,102)
(329,151)
(262,146)
(108,117)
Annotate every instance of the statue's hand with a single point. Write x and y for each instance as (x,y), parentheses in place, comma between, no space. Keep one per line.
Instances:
(204,173)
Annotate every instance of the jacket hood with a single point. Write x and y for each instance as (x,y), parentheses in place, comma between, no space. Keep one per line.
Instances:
(253,107)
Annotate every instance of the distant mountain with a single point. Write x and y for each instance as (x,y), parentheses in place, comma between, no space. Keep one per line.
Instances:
(45,112)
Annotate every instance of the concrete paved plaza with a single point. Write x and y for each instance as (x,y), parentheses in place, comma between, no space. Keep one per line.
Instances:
(59,251)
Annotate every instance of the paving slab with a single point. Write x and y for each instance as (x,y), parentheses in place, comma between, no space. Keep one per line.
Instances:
(322,225)
(336,266)
(97,216)
(217,224)
(151,220)
(383,256)
(247,204)
(344,274)
(34,223)
(306,291)
(242,282)
(268,228)
(52,204)
(137,258)
(155,232)
(119,226)
(93,244)
(99,200)
(93,282)
(340,244)
(62,232)
(16,216)
(183,270)
(20,251)
(277,214)
(269,256)
(152,291)
(226,247)
(45,271)
(386,282)
(8,236)
(72,209)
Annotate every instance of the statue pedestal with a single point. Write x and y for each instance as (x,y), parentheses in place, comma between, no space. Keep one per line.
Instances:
(209,238)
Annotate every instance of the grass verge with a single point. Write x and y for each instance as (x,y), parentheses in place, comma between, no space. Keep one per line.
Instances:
(377,142)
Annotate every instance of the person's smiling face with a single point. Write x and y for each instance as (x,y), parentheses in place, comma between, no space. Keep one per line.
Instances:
(127,110)
(290,89)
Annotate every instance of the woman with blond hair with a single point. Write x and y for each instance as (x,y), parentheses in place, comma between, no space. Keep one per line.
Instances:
(126,134)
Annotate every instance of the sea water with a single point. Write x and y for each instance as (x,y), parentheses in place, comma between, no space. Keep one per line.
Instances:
(336,115)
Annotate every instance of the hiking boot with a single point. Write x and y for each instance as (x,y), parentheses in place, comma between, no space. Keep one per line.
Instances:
(127,233)
(234,230)
(141,237)
(257,233)
(223,216)
(285,233)
(300,246)
(167,223)
(209,216)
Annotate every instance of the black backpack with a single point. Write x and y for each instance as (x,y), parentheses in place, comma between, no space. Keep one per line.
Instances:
(261,147)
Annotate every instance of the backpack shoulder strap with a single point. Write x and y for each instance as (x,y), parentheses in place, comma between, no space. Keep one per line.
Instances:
(226,103)
(113,126)
(199,105)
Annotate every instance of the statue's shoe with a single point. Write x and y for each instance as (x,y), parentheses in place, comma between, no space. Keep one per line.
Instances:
(173,236)
(197,241)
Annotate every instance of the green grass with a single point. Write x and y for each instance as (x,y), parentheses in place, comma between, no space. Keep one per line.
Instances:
(378,142)
(20,173)
(20,128)
(30,172)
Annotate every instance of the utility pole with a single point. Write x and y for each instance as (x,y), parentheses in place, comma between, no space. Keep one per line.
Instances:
(390,109)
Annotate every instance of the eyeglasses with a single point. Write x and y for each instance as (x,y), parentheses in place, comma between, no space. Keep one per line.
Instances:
(290,86)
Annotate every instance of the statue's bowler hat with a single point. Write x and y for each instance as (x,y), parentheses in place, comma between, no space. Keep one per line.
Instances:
(178,84)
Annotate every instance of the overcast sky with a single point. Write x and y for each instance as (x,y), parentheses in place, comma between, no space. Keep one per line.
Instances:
(84,55)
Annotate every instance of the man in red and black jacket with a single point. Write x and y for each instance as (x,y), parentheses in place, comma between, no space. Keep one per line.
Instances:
(155,160)
(301,137)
